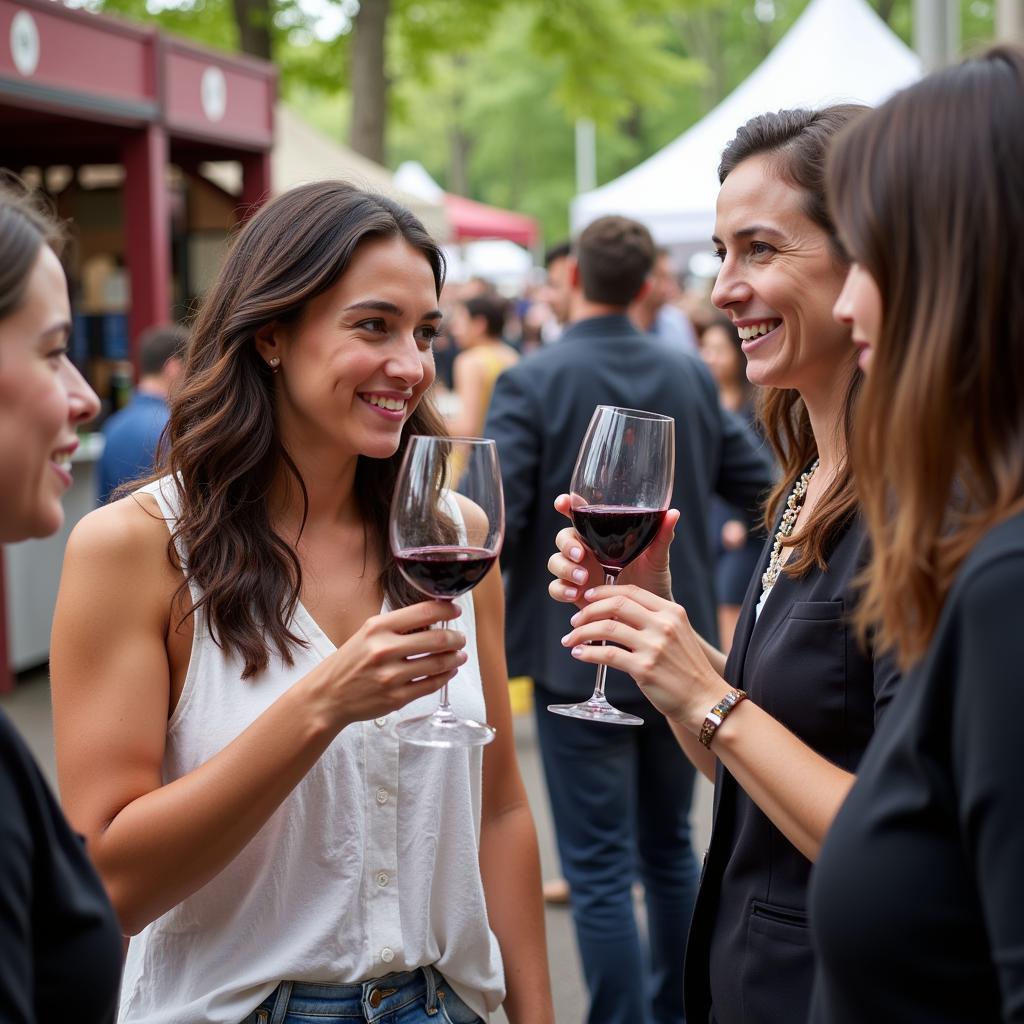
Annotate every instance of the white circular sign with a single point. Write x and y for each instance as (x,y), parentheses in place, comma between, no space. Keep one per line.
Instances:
(214,93)
(25,43)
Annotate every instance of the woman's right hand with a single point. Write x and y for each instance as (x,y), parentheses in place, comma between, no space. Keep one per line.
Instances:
(575,569)
(392,659)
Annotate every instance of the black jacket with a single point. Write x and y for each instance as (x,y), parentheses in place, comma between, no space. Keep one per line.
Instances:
(538,415)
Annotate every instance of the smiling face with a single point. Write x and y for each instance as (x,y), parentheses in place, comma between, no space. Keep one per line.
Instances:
(42,400)
(355,365)
(859,307)
(779,281)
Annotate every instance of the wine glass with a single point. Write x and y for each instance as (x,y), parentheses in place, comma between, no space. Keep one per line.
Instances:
(621,488)
(444,548)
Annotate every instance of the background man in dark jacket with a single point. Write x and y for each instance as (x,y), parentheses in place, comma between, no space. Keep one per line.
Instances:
(620,796)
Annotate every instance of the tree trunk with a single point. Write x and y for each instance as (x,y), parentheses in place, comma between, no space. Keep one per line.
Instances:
(253,20)
(369,81)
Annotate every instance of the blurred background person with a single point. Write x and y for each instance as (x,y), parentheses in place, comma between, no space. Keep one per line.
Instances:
(737,543)
(656,311)
(132,434)
(60,942)
(478,326)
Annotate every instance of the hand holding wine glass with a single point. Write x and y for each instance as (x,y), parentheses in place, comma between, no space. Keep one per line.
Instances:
(445,546)
(619,496)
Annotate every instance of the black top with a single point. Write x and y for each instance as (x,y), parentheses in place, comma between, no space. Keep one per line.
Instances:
(748,955)
(539,414)
(917,901)
(60,943)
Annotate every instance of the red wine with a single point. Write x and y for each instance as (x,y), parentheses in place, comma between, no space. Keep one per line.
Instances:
(616,533)
(445,571)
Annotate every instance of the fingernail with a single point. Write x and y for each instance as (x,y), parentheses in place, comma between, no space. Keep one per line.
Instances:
(579,575)
(565,639)
(577,650)
(570,592)
(574,618)
(589,594)
(462,657)
(576,553)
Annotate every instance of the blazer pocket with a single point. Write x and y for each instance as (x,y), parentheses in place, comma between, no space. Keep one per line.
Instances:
(818,611)
(779,966)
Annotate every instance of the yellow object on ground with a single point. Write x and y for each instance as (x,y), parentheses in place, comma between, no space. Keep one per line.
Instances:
(520,692)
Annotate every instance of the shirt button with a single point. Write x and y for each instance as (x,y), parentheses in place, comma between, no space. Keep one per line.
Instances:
(387,954)
(382,878)
(382,795)
(380,722)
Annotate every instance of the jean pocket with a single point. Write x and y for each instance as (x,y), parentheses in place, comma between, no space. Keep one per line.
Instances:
(453,1009)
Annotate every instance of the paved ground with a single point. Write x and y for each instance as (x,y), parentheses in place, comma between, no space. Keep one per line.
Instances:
(29,707)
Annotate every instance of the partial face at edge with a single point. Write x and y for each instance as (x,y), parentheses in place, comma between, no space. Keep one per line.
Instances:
(43,398)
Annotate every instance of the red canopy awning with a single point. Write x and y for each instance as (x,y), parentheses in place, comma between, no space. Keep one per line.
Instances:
(470,219)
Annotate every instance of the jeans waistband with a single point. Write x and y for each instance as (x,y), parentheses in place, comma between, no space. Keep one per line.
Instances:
(367,1000)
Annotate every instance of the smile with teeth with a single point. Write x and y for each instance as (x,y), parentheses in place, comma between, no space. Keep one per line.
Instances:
(391,404)
(756,330)
(62,459)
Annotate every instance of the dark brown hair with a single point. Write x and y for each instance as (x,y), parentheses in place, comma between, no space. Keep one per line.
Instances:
(224,449)
(797,142)
(928,191)
(26,225)
(615,256)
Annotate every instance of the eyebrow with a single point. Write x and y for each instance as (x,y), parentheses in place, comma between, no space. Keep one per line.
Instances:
(380,306)
(755,229)
(64,327)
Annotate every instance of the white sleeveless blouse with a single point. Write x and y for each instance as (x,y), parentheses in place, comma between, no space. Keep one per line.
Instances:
(369,866)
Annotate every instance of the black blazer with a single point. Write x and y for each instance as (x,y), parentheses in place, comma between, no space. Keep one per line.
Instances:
(917,899)
(748,958)
(538,415)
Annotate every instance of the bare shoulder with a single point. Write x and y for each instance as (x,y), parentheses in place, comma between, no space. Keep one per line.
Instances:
(472,514)
(126,539)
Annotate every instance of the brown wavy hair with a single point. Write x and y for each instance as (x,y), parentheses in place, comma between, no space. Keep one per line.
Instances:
(223,448)
(929,194)
(26,225)
(797,142)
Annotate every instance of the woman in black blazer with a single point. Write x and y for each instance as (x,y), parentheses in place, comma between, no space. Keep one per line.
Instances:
(918,897)
(783,760)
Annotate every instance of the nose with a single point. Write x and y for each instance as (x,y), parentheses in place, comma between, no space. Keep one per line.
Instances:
(730,286)
(406,361)
(83,403)
(842,310)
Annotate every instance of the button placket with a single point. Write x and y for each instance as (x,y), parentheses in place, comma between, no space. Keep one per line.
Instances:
(380,894)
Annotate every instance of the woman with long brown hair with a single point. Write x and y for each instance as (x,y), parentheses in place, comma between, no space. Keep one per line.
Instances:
(782,760)
(59,940)
(233,644)
(917,898)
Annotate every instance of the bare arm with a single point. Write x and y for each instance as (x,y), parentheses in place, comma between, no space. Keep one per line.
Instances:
(799,790)
(467,382)
(156,844)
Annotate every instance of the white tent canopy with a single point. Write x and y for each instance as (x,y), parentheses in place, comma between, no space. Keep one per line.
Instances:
(837,51)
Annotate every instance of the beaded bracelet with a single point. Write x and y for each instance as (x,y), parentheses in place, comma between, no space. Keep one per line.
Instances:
(718,714)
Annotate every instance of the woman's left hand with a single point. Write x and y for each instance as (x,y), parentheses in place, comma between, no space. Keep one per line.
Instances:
(659,649)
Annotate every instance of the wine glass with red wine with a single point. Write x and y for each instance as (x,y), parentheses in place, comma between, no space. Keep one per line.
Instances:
(621,488)
(444,544)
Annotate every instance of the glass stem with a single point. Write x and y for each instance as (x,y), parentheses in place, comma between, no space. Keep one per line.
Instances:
(602,670)
(443,707)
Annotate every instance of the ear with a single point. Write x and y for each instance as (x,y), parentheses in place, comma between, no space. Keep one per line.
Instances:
(645,290)
(269,341)
(574,273)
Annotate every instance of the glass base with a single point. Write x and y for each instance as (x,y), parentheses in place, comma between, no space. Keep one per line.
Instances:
(597,709)
(444,729)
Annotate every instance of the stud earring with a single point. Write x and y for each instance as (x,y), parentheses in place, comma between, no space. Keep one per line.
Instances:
(274,362)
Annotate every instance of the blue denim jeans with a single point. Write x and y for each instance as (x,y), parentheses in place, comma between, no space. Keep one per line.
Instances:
(620,799)
(410,997)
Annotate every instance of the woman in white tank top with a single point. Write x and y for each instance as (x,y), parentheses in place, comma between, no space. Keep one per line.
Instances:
(228,666)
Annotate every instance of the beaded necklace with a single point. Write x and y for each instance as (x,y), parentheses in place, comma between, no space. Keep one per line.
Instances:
(793,505)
